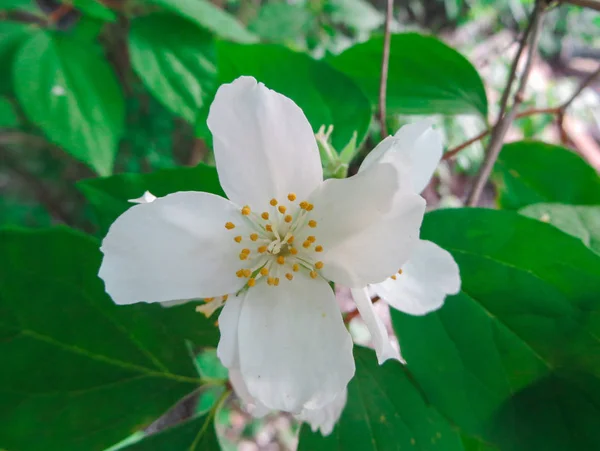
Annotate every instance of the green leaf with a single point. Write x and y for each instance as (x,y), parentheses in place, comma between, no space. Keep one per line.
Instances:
(12,36)
(529,308)
(79,372)
(425,76)
(582,222)
(385,411)
(72,94)
(279,22)
(530,172)
(25,5)
(325,95)
(93,8)
(177,64)
(356,14)
(8,116)
(210,17)
(192,435)
(109,196)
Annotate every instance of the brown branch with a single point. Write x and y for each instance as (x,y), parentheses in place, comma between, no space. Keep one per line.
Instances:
(385,64)
(592,4)
(559,111)
(506,120)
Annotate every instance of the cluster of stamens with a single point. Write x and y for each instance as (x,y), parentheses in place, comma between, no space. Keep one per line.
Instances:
(271,250)
(394,277)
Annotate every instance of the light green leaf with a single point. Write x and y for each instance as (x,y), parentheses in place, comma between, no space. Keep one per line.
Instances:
(72,94)
(93,8)
(531,172)
(175,60)
(109,196)
(356,14)
(207,15)
(582,222)
(325,95)
(197,434)
(385,411)
(79,372)
(279,22)
(425,76)
(8,116)
(528,311)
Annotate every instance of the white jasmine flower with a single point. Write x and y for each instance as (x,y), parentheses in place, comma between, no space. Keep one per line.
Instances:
(269,251)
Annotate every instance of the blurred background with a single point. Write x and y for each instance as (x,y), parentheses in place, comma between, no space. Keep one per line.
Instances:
(37,178)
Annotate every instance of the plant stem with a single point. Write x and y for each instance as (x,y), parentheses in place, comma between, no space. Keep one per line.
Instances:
(385,64)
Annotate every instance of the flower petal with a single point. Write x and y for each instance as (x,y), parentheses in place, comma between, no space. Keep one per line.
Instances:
(367,224)
(227,350)
(327,416)
(295,352)
(379,335)
(252,406)
(146,198)
(417,141)
(264,146)
(176,247)
(427,278)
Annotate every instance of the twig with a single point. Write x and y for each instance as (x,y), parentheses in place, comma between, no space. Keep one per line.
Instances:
(559,111)
(506,120)
(385,63)
(592,4)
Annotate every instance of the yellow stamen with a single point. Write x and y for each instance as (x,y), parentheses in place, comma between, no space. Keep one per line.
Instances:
(238,239)
(319,248)
(269,228)
(311,239)
(290,239)
(251,282)
(247,272)
(313,274)
(254,236)
(243,256)
(319,265)
(273,202)
(394,277)
(276,281)
(245,251)
(209,299)
(309,207)
(281,209)
(289,276)
(303,204)
(399,271)
(270,280)
(262,249)
(293,250)
(240,273)
(229,225)
(312,223)
(246,210)
(281,259)
(287,218)
(295,267)
(264,271)
(306,244)
(291,197)
(225,296)
(264,215)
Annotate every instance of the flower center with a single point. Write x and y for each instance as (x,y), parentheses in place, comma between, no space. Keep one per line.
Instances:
(280,243)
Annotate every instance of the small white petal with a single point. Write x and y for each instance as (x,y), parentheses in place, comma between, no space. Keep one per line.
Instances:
(327,416)
(227,350)
(264,146)
(367,224)
(174,248)
(417,141)
(252,406)
(295,352)
(427,278)
(146,198)
(379,335)
(208,308)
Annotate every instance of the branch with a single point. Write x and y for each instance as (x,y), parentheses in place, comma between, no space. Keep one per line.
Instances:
(506,120)
(559,111)
(385,63)
(592,4)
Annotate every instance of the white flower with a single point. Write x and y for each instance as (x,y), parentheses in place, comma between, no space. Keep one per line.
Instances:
(270,250)
(431,273)
(146,198)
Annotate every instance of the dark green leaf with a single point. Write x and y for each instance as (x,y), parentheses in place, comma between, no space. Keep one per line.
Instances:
(325,95)
(582,222)
(95,9)
(72,94)
(208,16)
(278,22)
(384,412)
(193,435)
(8,116)
(531,172)
(529,305)
(79,372)
(425,76)
(12,36)
(177,63)
(109,196)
